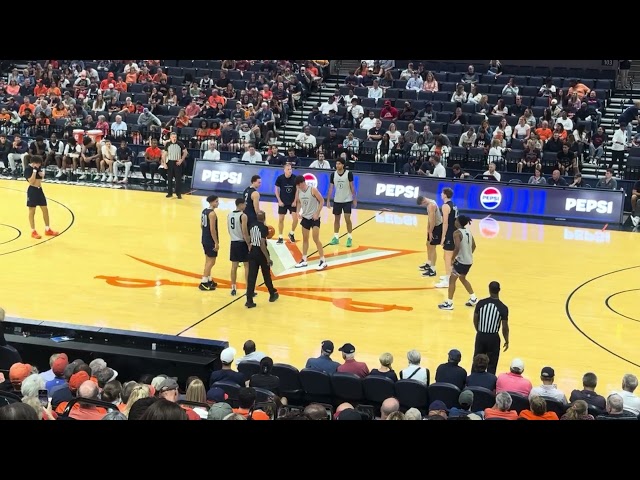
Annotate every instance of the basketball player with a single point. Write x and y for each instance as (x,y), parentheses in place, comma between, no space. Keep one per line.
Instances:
(286,195)
(491,314)
(35,196)
(311,203)
(252,199)
(210,242)
(239,250)
(344,198)
(434,234)
(465,245)
(449,215)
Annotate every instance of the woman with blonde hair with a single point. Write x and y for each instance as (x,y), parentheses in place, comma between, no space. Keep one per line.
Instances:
(578,410)
(196,392)
(385,370)
(138,392)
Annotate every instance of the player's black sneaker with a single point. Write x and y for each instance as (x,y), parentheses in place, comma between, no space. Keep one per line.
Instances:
(206,286)
(280,241)
(292,239)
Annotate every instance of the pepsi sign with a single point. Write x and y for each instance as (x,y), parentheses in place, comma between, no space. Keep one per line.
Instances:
(490,198)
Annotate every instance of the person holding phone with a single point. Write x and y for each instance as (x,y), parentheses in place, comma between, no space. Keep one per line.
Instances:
(34,173)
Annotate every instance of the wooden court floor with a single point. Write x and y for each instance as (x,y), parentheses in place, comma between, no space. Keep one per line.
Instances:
(132,260)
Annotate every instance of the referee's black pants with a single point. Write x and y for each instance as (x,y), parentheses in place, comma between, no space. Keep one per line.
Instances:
(489,344)
(174,171)
(257,260)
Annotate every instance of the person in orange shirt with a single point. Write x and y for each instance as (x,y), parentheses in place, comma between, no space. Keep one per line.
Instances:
(501,408)
(27,105)
(580,88)
(544,132)
(561,131)
(538,410)
(216,98)
(104,84)
(120,85)
(247,399)
(40,89)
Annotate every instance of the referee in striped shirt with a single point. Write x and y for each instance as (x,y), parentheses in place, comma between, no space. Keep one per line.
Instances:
(259,258)
(489,314)
(174,155)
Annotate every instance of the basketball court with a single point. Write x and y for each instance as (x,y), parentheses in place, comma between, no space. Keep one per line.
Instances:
(132,260)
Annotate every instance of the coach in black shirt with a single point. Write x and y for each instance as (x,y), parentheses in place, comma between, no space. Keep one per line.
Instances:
(174,155)
(489,314)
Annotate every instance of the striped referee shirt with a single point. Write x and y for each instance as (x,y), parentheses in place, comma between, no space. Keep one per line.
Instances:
(174,151)
(491,312)
(255,234)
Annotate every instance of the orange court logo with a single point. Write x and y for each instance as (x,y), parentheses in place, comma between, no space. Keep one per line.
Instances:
(285,257)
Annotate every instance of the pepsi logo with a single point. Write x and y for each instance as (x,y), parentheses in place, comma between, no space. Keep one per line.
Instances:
(489,227)
(490,198)
(311,180)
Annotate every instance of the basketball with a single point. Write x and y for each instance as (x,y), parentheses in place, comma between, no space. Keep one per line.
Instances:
(272,231)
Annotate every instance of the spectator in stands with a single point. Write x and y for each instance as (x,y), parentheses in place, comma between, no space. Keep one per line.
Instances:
(500,108)
(389,406)
(85,410)
(18,411)
(470,76)
(331,145)
(474,95)
(385,369)
(168,390)
(565,121)
(324,362)
(631,401)
(479,377)
(430,83)
(543,131)
(17,152)
(420,149)
(458,173)
(460,95)
(619,144)
(537,178)
(42,412)
(57,369)
(49,374)
(501,409)
(415,83)
(566,160)
(375,91)
(212,152)
(548,389)
(388,112)
(556,180)
(250,352)
(17,374)
(465,400)
(164,409)
(306,142)
(513,381)
(32,385)
(615,409)
(458,118)
(588,392)
(246,400)
(538,410)
(252,155)
(511,88)
(607,182)
(437,410)
(383,149)
(316,411)
(452,372)
(320,162)
(351,365)
(226,373)
(438,169)
(265,379)
(577,181)
(112,393)
(578,410)
(219,411)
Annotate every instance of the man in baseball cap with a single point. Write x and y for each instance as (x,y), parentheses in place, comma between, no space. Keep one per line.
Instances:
(350,364)
(324,362)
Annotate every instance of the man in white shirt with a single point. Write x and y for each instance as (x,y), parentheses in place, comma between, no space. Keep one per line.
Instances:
(320,162)
(118,128)
(329,105)
(438,169)
(305,140)
(414,371)
(250,353)
(252,156)
(631,401)
(369,122)
(375,91)
(618,145)
(212,152)
(565,121)
(415,83)
(548,389)
(492,171)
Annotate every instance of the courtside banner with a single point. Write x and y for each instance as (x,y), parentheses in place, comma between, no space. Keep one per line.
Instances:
(589,205)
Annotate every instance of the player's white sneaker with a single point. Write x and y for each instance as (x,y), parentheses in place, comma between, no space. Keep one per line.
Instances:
(59,174)
(635,220)
(104,177)
(446,305)
(443,284)
(322,265)
(471,302)
(444,277)
(82,177)
(301,264)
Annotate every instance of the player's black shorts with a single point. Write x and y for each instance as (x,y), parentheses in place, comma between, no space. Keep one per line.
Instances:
(309,223)
(286,208)
(339,208)
(449,244)
(208,250)
(35,197)
(239,251)
(436,235)
(460,268)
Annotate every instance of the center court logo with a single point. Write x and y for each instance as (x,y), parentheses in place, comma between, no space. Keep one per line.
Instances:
(490,198)
(311,180)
